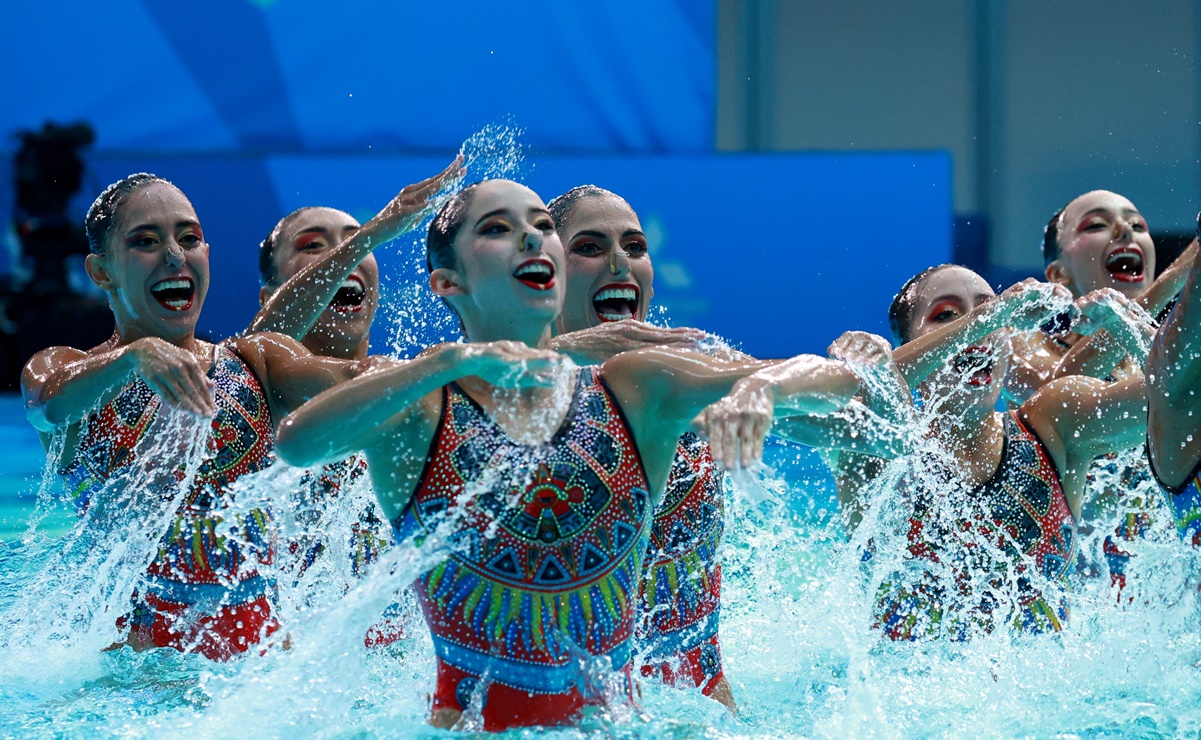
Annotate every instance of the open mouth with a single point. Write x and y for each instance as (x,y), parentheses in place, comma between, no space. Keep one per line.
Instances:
(350,296)
(974,365)
(616,302)
(1125,264)
(538,274)
(174,294)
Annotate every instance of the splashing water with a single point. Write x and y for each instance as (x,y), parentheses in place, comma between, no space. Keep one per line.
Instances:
(415,318)
(796,636)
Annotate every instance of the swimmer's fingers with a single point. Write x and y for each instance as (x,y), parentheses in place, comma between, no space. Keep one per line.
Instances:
(172,392)
(761,432)
(421,193)
(753,431)
(191,386)
(200,387)
(658,335)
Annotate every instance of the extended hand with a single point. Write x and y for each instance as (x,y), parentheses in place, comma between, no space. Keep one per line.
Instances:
(513,364)
(411,205)
(1027,305)
(870,357)
(1106,309)
(737,424)
(174,374)
(596,344)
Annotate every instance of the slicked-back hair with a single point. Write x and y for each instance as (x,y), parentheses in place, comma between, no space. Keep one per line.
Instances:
(440,239)
(900,313)
(1051,237)
(268,274)
(562,207)
(102,215)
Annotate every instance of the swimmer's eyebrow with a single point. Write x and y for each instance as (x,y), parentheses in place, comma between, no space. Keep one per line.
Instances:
(490,214)
(593,234)
(1105,212)
(948,297)
(154,227)
(601,235)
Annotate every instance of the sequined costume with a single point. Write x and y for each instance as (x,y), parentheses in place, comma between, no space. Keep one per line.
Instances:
(1118,479)
(680,591)
(1185,502)
(536,603)
(203,591)
(368,539)
(1015,543)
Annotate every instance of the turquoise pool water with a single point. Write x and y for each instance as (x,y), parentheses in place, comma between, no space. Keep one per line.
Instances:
(801,656)
(21,459)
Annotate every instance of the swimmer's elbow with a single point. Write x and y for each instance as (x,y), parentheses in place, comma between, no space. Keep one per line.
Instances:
(295,446)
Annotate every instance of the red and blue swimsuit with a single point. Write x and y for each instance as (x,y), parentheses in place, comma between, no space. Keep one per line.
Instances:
(680,593)
(203,591)
(539,594)
(1019,533)
(1185,501)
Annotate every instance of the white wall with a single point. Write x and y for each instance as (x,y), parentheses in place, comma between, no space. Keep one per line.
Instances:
(1037,101)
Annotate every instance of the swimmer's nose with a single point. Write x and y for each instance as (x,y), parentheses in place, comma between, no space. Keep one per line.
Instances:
(619,262)
(531,242)
(1122,229)
(173,255)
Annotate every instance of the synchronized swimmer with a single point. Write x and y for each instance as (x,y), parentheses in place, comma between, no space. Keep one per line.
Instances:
(564,464)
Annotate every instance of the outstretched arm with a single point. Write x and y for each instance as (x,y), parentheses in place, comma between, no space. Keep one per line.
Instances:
(594,345)
(60,385)
(1114,327)
(855,429)
(1022,307)
(348,416)
(737,424)
(298,303)
(1175,356)
(1173,373)
(1080,419)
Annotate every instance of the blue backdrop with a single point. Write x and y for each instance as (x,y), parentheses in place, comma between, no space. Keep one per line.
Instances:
(256,107)
(307,75)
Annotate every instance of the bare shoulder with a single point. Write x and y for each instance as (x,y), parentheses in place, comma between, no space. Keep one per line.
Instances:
(261,349)
(46,362)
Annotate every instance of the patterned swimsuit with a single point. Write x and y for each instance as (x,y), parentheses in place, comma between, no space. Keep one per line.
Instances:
(1019,538)
(1185,501)
(680,592)
(370,537)
(203,591)
(537,599)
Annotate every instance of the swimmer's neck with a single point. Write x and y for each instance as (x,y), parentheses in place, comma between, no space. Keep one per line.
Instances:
(529,334)
(127,332)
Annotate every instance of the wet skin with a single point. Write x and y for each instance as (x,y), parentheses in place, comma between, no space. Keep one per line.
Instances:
(607,258)
(344,328)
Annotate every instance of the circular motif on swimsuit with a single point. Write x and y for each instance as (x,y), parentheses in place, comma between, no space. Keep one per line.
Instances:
(560,501)
(465,690)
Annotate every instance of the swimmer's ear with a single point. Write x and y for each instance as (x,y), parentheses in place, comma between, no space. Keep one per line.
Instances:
(98,271)
(1057,272)
(446,282)
(264,293)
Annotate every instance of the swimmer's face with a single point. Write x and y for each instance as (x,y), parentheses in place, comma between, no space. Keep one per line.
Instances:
(943,297)
(302,240)
(609,272)
(509,260)
(156,266)
(1104,242)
